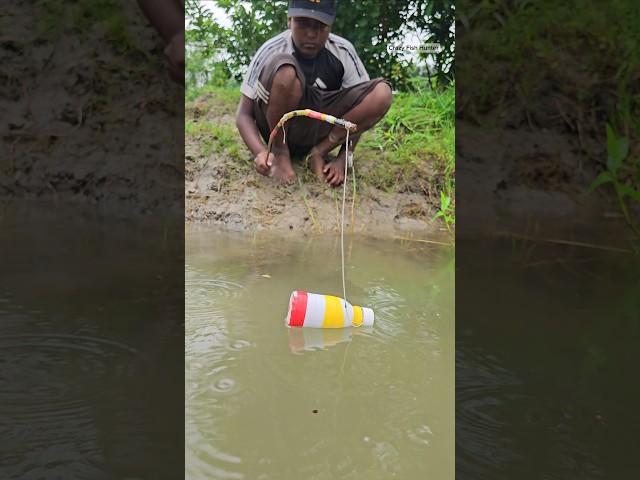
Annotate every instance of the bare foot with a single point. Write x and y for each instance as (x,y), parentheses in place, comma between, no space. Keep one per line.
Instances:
(317,162)
(334,170)
(282,169)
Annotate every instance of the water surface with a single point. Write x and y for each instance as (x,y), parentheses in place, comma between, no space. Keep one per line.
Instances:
(547,349)
(91,347)
(267,402)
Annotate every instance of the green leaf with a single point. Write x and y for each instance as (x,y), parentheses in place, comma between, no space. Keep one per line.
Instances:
(623,148)
(617,150)
(611,148)
(628,191)
(604,177)
(444,201)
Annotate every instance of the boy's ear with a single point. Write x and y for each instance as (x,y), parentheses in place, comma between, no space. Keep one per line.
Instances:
(289,22)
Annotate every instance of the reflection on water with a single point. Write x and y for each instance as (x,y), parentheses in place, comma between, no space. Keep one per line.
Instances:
(545,354)
(267,402)
(310,339)
(90,345)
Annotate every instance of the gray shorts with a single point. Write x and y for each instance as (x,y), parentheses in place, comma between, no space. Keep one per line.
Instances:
(303,132)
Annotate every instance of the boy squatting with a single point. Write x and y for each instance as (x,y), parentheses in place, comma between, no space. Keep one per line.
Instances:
(307,66)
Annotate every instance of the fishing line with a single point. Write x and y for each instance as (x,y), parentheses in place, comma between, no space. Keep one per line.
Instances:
(344,197)
(348,161)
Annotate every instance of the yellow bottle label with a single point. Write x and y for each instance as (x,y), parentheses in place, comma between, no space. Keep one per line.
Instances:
(333,313)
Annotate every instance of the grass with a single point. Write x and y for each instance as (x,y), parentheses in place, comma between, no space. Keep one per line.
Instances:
(523,38)
(411,149)
(225,98)
(215,138)
(81,16)
(620,167)
(414,143)
(518,53)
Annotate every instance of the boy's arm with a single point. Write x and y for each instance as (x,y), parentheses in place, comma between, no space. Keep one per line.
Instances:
(354,70)
(246,124)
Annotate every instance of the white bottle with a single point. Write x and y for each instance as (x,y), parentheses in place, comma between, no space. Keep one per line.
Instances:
(325,311)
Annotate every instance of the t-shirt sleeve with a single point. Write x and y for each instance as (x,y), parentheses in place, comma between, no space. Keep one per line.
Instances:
(249,82)
(354,71)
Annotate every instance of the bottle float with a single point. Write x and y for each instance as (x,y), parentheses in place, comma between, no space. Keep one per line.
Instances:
(325,311)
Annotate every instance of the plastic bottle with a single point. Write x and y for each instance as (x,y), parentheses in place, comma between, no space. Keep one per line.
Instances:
(325,311)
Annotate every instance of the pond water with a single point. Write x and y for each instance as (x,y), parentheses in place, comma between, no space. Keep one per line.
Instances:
(267,402)
(91,347)
(547,350)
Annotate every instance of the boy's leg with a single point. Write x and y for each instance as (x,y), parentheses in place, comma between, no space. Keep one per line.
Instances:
(286,91)
(285,95)
(365,114)
(280,89)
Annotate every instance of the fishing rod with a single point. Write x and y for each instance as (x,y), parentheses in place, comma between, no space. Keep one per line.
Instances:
(323,117)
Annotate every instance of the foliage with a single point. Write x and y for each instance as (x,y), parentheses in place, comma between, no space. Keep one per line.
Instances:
(370,25)
(445,211)
(417,133)
(619,161)
(80,16)
(203,65)
(437,19)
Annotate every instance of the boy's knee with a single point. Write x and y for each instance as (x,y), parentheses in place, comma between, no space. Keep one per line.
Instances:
(382,97)
(286,78)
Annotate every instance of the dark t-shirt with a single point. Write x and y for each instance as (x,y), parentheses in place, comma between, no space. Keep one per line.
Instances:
(325,71)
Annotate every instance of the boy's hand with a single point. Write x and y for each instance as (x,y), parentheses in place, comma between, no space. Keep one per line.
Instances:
(263,163)
(334,173)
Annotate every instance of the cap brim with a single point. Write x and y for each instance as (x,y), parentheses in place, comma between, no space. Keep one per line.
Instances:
(316,15)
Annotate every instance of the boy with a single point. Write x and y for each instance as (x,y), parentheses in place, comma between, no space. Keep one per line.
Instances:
(307,67)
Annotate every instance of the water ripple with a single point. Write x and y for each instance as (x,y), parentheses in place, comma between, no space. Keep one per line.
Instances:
(495,413)
(207,297)
(238,345)
(51,384)
(386,303)
(204,460)
(224,385)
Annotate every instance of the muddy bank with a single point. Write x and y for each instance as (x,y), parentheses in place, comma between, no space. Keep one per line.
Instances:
(222,189)
(257,204)
(509,177)
(533,184)
(89,113)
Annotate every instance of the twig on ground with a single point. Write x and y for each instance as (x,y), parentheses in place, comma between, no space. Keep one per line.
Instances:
(421,240)
(565,242)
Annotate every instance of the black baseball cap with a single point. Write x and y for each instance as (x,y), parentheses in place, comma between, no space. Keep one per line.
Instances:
(322,10)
